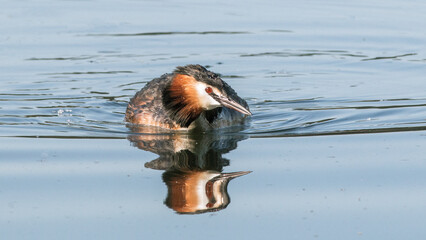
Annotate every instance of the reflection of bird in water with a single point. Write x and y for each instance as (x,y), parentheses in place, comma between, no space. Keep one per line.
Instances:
(191,97)
(198,191)
(193,165)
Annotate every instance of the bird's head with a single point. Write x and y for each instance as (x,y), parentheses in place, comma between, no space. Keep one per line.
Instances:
(193,90)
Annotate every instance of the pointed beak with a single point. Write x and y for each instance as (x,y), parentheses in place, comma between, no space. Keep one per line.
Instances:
(229,103)
(232,175)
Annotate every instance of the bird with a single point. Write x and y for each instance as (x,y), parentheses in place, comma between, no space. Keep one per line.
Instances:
(191,97)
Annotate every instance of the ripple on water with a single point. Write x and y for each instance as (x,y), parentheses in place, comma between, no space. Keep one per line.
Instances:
(100,114)
(295,82)
(319,117)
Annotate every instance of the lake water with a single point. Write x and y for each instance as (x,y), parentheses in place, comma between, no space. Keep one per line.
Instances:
(335,148)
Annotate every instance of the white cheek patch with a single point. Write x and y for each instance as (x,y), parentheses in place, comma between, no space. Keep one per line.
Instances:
(206,101)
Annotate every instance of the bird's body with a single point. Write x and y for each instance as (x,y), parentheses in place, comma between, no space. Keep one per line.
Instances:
(190,97)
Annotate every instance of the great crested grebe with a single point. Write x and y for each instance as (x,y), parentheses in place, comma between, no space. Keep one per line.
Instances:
(190,97)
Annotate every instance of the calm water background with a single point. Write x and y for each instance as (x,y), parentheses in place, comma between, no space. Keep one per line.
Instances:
(315,73)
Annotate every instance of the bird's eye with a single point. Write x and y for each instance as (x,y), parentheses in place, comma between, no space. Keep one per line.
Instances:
(209,90)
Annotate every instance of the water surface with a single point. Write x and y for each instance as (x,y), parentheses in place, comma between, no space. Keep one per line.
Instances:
(335,145)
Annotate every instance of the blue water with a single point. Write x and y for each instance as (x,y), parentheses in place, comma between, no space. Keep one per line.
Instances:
(335,145)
